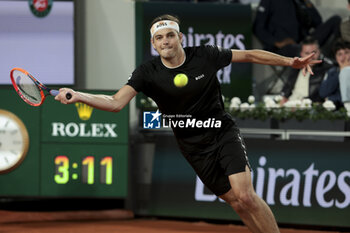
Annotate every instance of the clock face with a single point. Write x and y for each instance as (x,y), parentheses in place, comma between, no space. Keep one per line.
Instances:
(13,141)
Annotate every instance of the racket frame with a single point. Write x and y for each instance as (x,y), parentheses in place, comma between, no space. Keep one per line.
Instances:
(36,82)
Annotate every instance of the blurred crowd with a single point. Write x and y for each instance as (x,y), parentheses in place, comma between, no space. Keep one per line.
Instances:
(295,28)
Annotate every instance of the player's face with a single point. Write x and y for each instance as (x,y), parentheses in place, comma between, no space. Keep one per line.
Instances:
(167,42)
(309,49)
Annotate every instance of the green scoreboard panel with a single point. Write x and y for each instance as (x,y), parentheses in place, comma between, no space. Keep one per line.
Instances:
(74,150)
(83,170)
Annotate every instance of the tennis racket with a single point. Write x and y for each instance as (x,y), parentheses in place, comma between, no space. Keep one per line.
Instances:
(30,89)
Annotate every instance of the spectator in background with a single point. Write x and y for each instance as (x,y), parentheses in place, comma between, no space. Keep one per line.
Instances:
(344,80)
(330,89)
(281,25)
(345,27)
(299,86)
(344,77)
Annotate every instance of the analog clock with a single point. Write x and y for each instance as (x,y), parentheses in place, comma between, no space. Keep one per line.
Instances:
(14,141)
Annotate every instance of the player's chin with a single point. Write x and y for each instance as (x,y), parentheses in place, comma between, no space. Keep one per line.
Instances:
(167,54)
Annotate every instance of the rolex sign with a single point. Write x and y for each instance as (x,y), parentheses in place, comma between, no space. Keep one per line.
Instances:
(82,123)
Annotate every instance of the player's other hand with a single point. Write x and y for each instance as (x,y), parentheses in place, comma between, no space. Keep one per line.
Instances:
(305,63)
(65,93)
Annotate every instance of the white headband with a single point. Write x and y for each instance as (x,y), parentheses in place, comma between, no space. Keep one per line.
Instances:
(164,24)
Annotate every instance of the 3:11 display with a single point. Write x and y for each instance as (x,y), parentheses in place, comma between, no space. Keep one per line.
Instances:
(62,171)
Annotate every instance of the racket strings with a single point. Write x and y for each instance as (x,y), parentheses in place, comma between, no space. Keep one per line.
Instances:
(28,88)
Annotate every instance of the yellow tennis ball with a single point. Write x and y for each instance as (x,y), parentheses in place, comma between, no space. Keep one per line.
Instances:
(180,80)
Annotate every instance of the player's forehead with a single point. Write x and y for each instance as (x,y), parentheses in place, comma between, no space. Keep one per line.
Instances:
(164,32)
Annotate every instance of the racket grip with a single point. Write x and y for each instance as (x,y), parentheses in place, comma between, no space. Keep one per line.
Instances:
(54,92)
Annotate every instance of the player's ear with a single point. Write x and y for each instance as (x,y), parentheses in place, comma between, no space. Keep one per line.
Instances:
(181,36)
(152,42)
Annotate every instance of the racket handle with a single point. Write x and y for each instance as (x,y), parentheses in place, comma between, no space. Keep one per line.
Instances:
(55,92)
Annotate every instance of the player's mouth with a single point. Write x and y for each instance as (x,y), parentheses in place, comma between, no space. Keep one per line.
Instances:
(167,48)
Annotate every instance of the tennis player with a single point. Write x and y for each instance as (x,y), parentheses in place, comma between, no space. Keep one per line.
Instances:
(216,152)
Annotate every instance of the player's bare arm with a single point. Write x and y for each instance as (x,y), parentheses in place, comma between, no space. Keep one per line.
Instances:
(113,103)
(267,58)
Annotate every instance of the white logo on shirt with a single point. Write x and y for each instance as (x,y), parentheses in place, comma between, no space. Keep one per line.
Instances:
(199,77)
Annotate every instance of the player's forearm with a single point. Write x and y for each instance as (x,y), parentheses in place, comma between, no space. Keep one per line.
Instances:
(109,103)
(102,102)
(267,58)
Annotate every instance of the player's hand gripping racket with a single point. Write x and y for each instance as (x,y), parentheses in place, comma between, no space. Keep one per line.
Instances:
(30,89)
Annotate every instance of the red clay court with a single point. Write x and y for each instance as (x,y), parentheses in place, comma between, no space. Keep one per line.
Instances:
(111,221)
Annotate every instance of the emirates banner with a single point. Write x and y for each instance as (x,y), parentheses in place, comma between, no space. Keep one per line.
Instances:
(303,182)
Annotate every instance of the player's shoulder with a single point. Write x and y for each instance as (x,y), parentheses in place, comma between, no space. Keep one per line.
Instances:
(201,47)
(201,50)
(149,66)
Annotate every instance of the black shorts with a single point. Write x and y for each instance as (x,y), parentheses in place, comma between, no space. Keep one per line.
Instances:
(226,155)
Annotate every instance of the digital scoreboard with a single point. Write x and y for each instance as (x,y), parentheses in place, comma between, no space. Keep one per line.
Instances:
(84,170)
